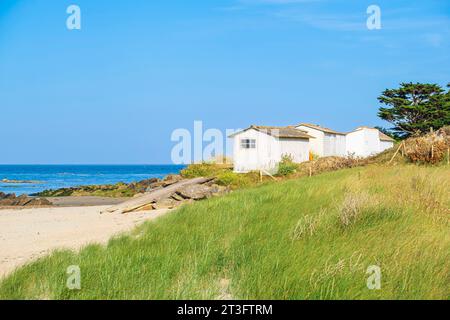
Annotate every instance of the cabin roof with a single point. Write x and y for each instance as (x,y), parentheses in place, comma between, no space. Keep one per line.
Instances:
(278,132)
(320,128)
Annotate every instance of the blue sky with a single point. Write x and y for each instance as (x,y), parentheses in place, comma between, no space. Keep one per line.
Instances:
(114,91)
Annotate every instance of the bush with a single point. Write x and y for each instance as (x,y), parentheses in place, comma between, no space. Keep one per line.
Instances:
(432,148)
(233,180)
(287,166)
(201,170)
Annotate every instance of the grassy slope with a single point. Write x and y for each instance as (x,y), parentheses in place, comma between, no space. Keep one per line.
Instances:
(282,241)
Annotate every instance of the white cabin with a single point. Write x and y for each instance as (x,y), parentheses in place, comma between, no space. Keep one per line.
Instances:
(365,142)
(327,142)
(262,148)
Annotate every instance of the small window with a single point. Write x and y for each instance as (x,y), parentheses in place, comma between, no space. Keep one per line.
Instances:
(248,143)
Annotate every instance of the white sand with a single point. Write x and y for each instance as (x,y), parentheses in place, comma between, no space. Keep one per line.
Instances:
(31,233)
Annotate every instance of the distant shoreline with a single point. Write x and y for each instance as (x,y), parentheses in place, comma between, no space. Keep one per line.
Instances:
(33,179)
(7,181)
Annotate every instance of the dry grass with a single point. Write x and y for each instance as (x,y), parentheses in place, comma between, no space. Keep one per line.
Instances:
(353,207)
(432,148)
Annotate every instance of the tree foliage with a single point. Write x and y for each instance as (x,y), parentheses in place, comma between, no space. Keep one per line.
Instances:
(415,108)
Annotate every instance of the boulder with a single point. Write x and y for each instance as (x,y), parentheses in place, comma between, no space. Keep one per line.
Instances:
(195,192)
(167,203)
(21,201)
(218,190)
(39,202)
(10,200)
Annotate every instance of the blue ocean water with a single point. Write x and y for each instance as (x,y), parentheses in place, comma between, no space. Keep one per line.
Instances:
(63,176)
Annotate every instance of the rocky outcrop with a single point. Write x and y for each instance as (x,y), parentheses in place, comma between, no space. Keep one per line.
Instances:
(171,193)
(114,190)
(189,194)
(10,200)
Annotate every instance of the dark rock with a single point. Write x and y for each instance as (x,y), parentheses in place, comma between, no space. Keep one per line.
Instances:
(10,200)
(21,201)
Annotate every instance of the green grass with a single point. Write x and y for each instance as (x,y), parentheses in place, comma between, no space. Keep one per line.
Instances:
(310,238)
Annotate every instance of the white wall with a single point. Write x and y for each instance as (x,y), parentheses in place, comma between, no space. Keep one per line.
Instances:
(364,142)
(268,151)
(384,145)
(262,157)
(297,148)
(334,145)
(315,145)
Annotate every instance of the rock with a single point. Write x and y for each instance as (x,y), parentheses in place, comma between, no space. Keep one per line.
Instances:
(167,203)
(10,200)
(177,197)
(2,195)
(218,190)
(21,201)
(147,207)
(195,192)
(39,202)
(154,186)
(6,202)
(138,195)
(171,179)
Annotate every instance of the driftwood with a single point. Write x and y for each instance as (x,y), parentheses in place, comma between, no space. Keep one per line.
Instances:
(153,196)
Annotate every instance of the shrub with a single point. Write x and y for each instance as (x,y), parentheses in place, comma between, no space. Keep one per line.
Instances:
(432,148)
(201,170)
(287,166)
(233,180)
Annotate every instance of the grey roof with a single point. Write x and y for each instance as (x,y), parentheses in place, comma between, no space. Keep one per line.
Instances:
(279,132)
(320,128)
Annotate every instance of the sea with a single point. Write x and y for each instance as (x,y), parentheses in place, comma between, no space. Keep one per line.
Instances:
(46,177)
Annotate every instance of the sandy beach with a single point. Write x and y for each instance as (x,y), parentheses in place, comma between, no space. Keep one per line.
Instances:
(27,234)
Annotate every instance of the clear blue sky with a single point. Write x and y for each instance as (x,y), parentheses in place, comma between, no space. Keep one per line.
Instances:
(114,91)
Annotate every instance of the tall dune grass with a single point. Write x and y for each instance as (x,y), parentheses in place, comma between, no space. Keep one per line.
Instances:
(311,238)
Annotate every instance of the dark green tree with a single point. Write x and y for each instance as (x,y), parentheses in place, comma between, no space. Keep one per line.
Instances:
(415,108)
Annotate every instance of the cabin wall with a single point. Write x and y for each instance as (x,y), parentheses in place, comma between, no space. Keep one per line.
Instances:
(298,149)
(363,143)
(264,156)
(316,145)
(385,145)
(334,145)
